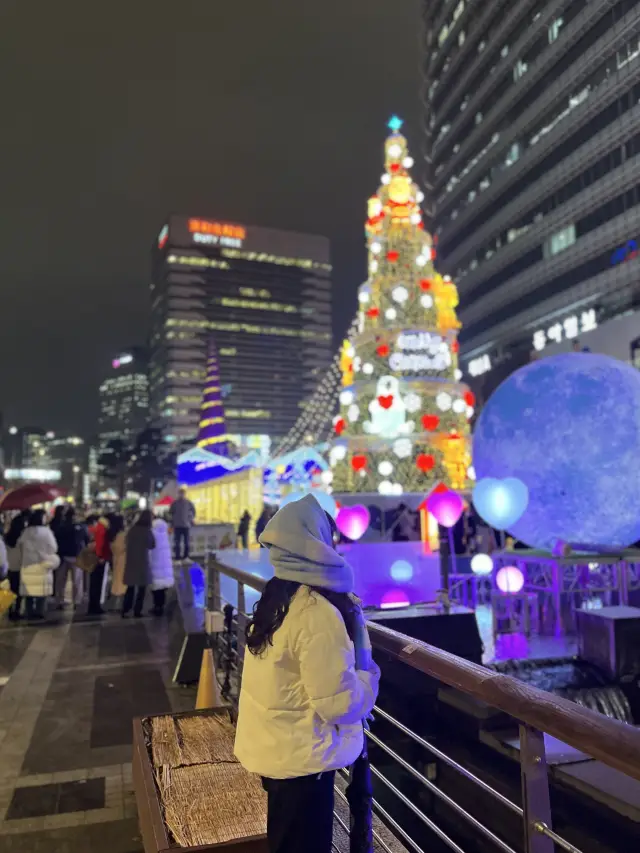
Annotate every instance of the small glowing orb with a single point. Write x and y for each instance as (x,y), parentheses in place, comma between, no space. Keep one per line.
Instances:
(401,571)
(481,564)
(510,579)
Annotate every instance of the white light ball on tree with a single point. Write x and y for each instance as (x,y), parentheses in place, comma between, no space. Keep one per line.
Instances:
(407,162)
(327,477)
(367,368)
(394,150)
(421,261)
(353,413)
(391,313)
(376,248)
(420,196)
(346,397)
(400,294)
(364,296)
(459,406)
(416,219)
(426,300)
(373,266)
(457,374)
(385,468)
(385,179)
(443,401)
(385,487)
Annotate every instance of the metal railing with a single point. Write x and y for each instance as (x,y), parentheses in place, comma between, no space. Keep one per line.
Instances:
(535,712)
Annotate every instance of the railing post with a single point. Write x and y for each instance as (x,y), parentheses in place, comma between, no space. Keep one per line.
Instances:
(535,791)
(242,621)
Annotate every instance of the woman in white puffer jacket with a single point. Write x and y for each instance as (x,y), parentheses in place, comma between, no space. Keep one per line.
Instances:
(161,566)
(38,558)
(308,679)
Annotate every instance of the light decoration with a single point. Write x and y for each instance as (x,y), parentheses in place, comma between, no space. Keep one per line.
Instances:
(404,355)
(401,571)
(385,468)
(393,599)
(346,398)
(459,406)
(443,401)
(353,521)
(481,564)
(501,503)
(510,580)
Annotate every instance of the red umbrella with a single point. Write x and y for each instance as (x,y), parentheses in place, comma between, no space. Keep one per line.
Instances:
(165,501)
(29,495)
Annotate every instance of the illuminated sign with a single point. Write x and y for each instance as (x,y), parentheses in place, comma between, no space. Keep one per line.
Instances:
(42,474)
(570,328)
(120,362)
(163,236)
(217,233)
(426,352)
(625,253)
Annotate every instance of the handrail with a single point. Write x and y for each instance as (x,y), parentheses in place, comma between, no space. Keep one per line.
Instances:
(614,743)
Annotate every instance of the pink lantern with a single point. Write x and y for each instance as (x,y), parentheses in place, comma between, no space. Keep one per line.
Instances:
(510,580)
(445,507)
(352,521)
(394,598)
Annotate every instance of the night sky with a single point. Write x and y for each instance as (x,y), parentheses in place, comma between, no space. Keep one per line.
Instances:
(265,112)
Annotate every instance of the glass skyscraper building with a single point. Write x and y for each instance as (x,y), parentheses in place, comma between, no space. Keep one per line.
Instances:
(264,296)
(533,168)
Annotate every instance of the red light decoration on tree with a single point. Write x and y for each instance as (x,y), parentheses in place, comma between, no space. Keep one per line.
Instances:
(393,256)
(425,462)
(425,284)
(373,312)
(383,351)
(470,398)
(430,422)
(359,462)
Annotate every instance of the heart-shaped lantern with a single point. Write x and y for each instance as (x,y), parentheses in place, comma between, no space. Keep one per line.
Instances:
(386,402)
(352,521)
(501,503)
(445,507)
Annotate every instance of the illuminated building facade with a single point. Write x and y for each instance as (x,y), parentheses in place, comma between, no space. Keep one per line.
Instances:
(533,159)
(124,398)
(265,298)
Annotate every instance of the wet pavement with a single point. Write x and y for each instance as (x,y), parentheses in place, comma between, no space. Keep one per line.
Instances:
(68,694)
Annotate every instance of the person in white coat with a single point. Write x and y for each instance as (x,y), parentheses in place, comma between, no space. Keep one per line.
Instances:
(308,681)
(161,566)
(38,559)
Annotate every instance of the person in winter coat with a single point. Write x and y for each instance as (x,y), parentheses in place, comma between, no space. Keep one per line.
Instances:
(38,559)
(262,521)
(14,560)
(137,568)
(308,681)
(118,541)
(183,514)
(161,566)
(243,529)
(98,531)
(71,539)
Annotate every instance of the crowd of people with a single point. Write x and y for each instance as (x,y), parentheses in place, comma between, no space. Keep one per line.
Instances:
(101,560)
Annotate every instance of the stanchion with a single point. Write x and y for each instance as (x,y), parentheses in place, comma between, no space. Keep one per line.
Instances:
(208,690)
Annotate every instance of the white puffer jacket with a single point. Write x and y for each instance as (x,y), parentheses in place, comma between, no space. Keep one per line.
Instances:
(160,557)
(38,556)
(302,701)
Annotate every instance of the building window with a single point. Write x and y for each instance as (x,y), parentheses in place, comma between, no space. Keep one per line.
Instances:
(513,155)
(505,51)
(442,37)
(478,118)
(560,241)
(458,10)
(520,69)
(461,38)
(554,29)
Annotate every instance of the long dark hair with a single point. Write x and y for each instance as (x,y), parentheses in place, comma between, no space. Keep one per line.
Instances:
(270,611)
(16,527)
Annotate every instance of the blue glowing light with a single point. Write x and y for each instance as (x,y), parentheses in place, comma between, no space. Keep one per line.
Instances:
(395,124)
(567,426)
(401,571)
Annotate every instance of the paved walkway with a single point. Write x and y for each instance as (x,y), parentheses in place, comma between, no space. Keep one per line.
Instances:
(68,693)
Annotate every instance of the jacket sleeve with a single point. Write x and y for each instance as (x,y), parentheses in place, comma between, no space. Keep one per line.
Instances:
(338,693)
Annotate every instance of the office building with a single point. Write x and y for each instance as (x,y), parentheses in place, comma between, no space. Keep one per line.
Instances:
(265,298)
(533,168)
(124,398)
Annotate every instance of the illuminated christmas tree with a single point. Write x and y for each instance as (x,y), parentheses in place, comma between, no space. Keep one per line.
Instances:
(212,435)
(403,421)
